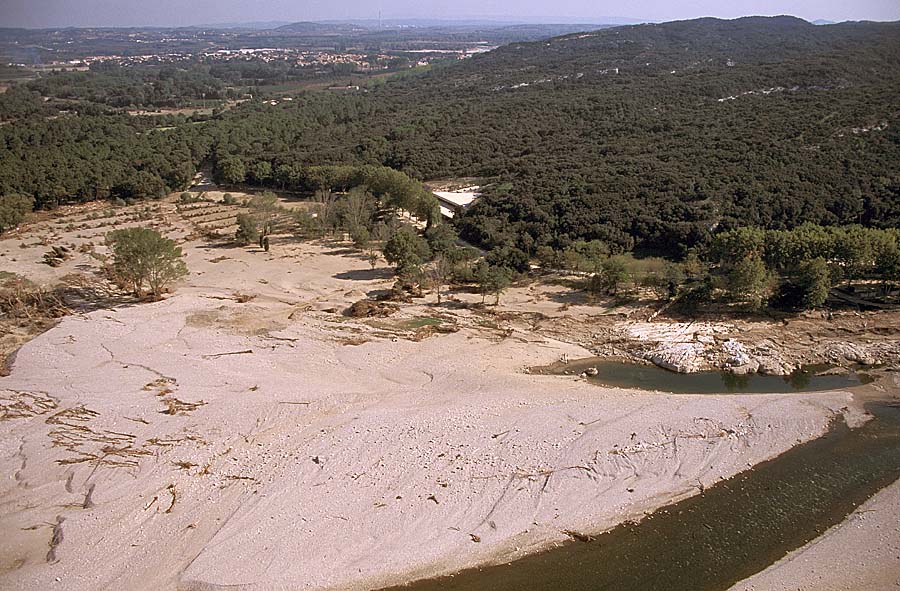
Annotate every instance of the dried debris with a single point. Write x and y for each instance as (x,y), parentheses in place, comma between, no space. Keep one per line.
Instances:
(15,404)
(174,406)
(371,309)
(57,256)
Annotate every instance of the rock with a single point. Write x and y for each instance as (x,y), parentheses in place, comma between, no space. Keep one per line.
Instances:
(838,352)
(591,371)
(736,355)
(680,357)
(772,365)
(741,370)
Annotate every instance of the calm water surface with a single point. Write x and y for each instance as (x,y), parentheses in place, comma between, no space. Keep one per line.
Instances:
(650,377)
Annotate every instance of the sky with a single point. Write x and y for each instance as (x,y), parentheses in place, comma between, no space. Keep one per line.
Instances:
(86,13)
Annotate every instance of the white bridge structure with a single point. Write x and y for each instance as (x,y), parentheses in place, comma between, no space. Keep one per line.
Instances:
(451,201)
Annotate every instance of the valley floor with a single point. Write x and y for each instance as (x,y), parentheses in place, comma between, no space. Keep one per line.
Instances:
(244,434)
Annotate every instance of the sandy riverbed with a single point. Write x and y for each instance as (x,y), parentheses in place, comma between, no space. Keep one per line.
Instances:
(204,443)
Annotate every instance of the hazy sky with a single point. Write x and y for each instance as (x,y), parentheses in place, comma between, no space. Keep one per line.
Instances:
(54,13)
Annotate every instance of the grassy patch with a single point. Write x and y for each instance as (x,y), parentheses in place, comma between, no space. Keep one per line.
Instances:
(419,323)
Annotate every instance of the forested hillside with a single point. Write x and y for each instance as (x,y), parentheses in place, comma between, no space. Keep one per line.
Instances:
(652,137)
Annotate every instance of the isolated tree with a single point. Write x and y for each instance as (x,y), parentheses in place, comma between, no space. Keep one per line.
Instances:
(441,271)
(13,209)
(248,231)
(406,250)
(143,256)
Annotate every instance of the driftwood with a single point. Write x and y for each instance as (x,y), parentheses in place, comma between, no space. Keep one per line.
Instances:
(171,489)
(215,355)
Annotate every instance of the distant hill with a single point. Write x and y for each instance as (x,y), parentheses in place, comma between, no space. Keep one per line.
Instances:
(699,45)
(313,28)
(249,26)
(650,136)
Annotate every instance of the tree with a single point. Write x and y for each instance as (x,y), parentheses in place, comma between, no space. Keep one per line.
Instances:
(441,271)
(142,255)
(327,212)
(248,231)
(141,185)
(814,282)
(407,250)
(749,280)
(611,273)
(441,238)
(510,257)
(360,236)
(358,209)
(13,209)
(231,170)
(887,262)
(492,279)
(260,172)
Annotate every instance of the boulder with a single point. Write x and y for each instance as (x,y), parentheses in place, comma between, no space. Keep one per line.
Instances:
(680,357)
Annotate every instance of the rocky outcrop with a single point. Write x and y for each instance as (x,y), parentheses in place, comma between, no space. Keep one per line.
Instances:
(854,353)
(680,357)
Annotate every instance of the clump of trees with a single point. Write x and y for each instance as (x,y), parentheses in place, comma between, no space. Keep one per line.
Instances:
(144,258)
(390,188)
(797,268)
(438,258)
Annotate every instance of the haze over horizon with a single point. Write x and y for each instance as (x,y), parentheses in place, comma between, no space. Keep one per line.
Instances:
(134,13)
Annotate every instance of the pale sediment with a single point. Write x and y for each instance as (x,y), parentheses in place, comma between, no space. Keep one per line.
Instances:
(292,461)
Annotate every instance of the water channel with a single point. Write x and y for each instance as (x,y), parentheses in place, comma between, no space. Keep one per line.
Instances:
(732,530)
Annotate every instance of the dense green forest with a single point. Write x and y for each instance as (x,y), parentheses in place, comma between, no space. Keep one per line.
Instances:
(652,138)
(140,87)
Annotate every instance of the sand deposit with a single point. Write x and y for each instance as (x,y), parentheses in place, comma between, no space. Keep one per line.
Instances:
(244,434)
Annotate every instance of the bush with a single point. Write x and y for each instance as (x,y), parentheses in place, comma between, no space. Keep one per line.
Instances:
(248,231)
(143,256)
(360,236)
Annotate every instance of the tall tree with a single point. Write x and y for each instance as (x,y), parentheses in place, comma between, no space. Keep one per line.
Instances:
(143,256)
